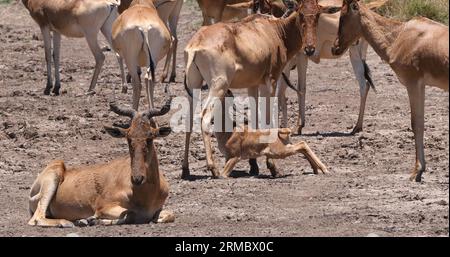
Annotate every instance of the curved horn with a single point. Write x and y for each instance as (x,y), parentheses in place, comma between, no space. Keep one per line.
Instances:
(122,111)
(165,109)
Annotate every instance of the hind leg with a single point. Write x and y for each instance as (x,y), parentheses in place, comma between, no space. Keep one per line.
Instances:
(272,168)
(48,185)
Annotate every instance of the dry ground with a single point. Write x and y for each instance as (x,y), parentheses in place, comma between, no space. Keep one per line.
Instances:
(368,192)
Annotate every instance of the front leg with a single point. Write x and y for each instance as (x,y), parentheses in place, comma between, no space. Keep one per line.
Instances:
(115,215)
(229,166)
(416,93)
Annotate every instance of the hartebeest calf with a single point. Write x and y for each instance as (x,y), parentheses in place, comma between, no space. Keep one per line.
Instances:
(142,39)
(126,190)
(223,10)
(416,50)
(246,143)
(246,54)
(73,18)
(243,143)
(169,11)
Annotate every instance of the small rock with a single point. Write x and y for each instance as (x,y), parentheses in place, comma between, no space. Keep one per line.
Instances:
(72,235)
(372,235)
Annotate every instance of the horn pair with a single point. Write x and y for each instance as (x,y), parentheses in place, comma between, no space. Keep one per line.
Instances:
(129,112)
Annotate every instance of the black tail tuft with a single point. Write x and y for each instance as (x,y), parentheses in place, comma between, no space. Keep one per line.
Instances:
(368,76)
(288,82)
(188,90)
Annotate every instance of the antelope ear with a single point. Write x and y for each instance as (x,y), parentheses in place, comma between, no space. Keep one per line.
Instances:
(115,131)
(164,131)
(330,9)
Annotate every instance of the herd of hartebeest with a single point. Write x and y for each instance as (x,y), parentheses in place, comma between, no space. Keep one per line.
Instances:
(253,45)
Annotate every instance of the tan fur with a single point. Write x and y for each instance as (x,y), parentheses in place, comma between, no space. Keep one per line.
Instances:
(250,53)
(223,10)
(169,12)
(105,193)
(73,18)
(327,30)
(138,30)
(417,51)
(247,144)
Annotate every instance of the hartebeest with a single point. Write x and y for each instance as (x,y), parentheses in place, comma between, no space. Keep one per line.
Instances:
(247,54)
(169,11)
(223,10)
(73,18)
(417,51)
(142,39)
(126,190)
(327,28)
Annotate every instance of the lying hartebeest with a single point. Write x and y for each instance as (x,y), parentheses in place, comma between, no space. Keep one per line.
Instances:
(416,50)
(245,143)
(142,39)
(169,11)
(327,27)
(73,18)
(126,190)
(223,10)
(247,54)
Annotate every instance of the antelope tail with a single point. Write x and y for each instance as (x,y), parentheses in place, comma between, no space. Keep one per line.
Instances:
(151,63)
(188,90)
(288,82)
(368,75)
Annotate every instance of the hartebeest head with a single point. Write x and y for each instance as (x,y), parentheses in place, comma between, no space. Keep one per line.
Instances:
(140,137)
(309,12)
(349,26)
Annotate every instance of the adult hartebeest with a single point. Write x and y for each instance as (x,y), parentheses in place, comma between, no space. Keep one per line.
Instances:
(327,28)
(142,39)
(169,11)
(73,18)
(126,190)
(247,54)
(417,51)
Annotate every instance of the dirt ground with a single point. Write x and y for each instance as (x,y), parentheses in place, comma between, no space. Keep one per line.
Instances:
(368,191)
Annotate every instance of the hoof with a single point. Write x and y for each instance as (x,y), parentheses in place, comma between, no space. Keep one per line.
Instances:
(56,90)
(298,130)
(213,170)
(172,79)
(47,91)
(163,78)
(356,130)
(185,174)
(81,223)
(415,176)
(128,78)
(124,89)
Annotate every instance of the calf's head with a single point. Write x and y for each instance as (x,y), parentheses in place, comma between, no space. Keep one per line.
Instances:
(349,26)
(140,136)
